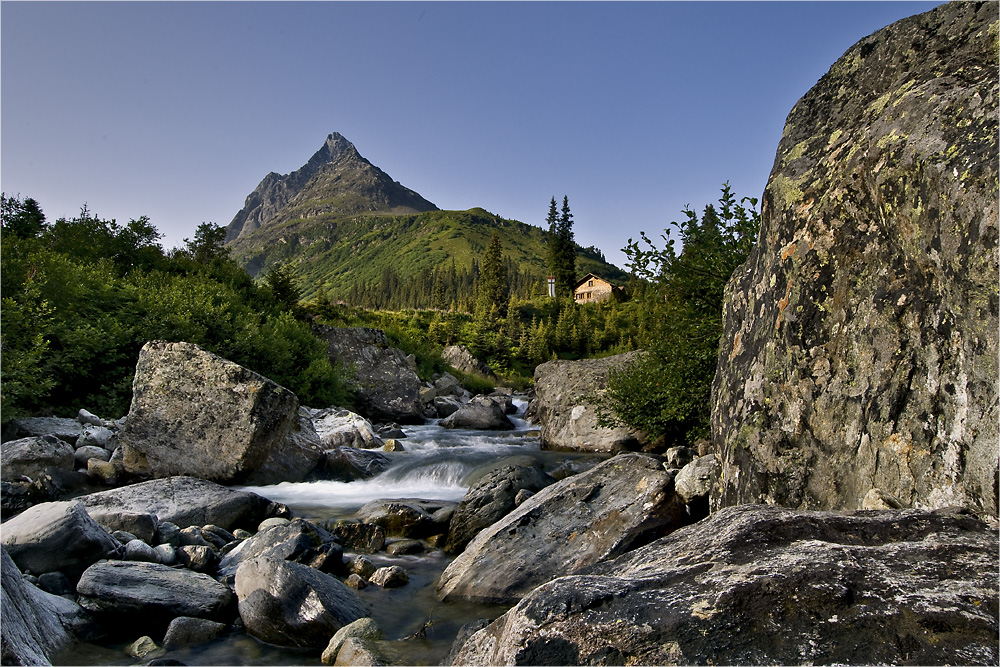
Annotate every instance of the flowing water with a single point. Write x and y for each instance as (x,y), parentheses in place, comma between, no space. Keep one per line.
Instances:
(437,464)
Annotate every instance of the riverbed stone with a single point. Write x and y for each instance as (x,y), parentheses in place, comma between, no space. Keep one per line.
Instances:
(31,457)
(197,557)
(299,540)
(194,413)
(187,630)
(363,628)
(133,595)
(138,550)
(408,517)
(761,585)
(187,501)
(57,536)
(290,604)
(625,502)
(392,576)
(567,394)
(481,413)
(295,458)
(338,427)
(490,499)
(860,337)
(347,464)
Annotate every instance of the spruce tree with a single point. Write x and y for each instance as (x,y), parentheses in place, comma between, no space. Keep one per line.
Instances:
(492,292)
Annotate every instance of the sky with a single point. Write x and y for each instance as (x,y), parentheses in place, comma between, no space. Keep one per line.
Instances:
(633,110)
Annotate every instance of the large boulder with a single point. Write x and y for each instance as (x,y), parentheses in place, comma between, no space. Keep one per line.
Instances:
(68,430)
(187,501)
(565,408)
(31,457)
(338,427)
(460,358)
(290,604)
(408,517)
(36,625)
(481,413)
(136,595)
(860,339)
(491,499)
(625,502)
(299,540)
(346,464)
(758,585)
(56,537)
(295,459)
(387,387)
(194,413)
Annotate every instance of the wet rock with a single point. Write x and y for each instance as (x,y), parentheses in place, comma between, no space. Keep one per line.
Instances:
(347,464)
(295,458)
(357,651)
(621,504)
(392,576)
(761,585)
(481,413)
(141,596)
(123,536)
(338,427)
(363,628)
(56,536)
(392,445)
(290,604)
(387,388)
(460,358)
(404,547)
(408,517)
(299,540)
(36,625)
(564,391)
(31,457)
(860,344)
(489,500)
(363,567)
(186,630)
(194,413)
(187,501)
(355,581)
(144,647)
(445,406)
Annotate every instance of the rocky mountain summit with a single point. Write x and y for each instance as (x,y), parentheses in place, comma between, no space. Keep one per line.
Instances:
(336,179)
(858,366)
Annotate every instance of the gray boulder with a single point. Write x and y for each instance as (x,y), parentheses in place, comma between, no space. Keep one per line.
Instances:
(360,652)
(194,413)
(387,387)
(57,536)
(762,585)
(186,501)
(346,464)
(136,596)
(391,576)
(363,628)
(95,436)
(625,502)
(357,536)
(446,406)
(337,427)
(290,604)
(36,625)
(31,457)
(860,345)
(490,499)
(409,517)
(459,357)
(481,413)
(187,630)
(140,551)
(295,458)
(298,540)
(564,407)
(67,430)
(693,484)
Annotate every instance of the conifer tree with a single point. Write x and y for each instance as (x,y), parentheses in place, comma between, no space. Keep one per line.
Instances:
(561,248)
(492,292)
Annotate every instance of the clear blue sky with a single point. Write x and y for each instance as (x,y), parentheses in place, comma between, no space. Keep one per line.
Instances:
(176,110)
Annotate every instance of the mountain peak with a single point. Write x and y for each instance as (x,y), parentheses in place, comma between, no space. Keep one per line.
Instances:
(336,179)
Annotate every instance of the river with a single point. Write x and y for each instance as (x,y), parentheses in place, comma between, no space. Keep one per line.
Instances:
(436,464)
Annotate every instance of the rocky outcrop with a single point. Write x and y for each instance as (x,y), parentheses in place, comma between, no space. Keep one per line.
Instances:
(290,604)
(565,405)
(194,413)
(387,388)
(460,358)
(57,536)
(762,585)
(186,501)
(491,499)
(619,505)
(860,345)
(336,179)
(481,413)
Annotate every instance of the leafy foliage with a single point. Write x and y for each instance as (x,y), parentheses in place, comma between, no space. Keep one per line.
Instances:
(667,392)
(80,297)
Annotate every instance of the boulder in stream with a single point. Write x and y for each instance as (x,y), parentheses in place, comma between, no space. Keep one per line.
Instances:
(481,413)
(409,517)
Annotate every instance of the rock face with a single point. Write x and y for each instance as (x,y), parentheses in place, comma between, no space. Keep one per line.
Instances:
(194,413)
(336,179)
(387,387)
(58,536)
(762,585)
(567,417)
(290,604)
(186,501)
(860,344)
(619,505)
(459,357)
